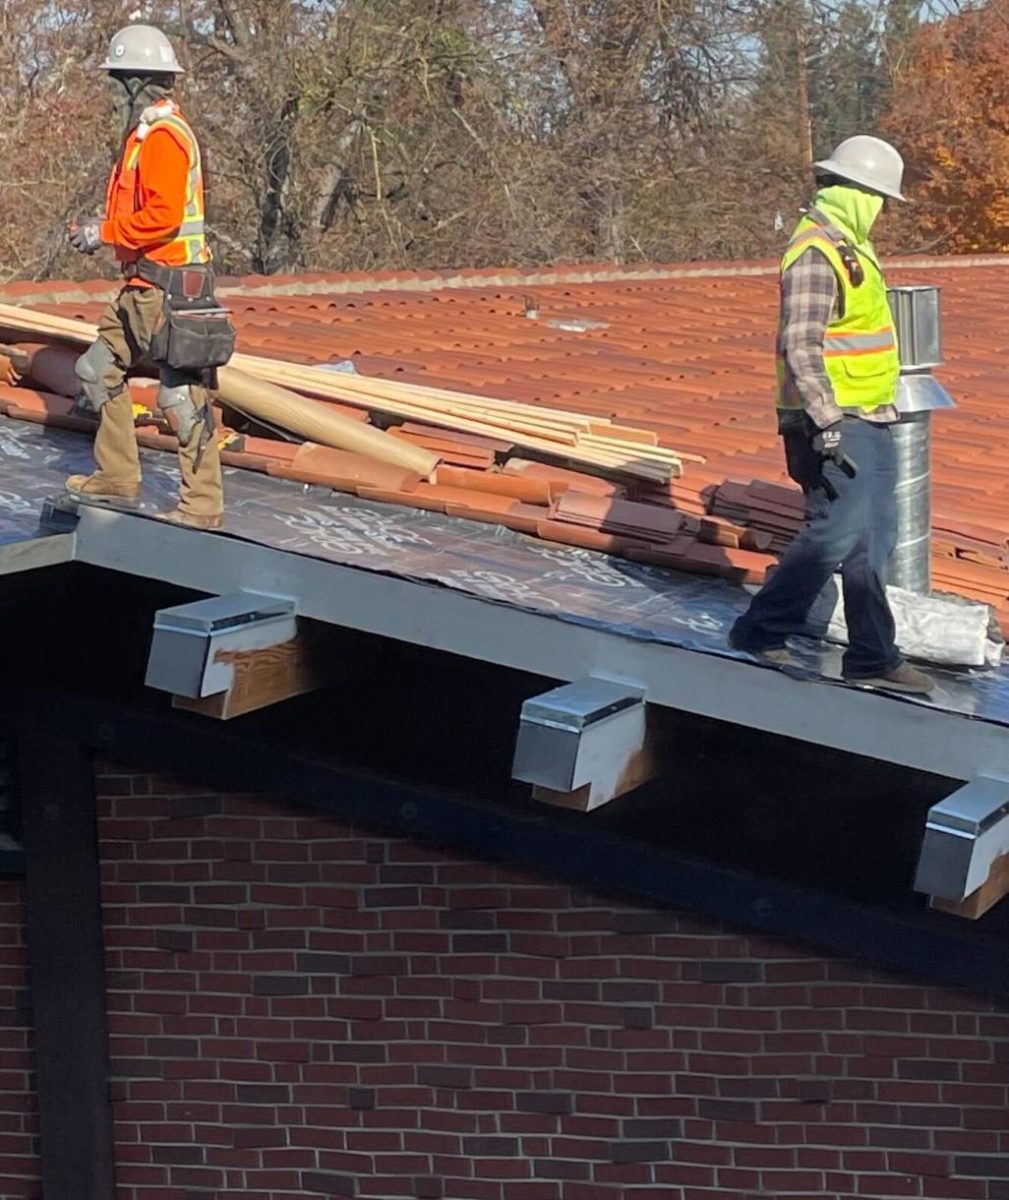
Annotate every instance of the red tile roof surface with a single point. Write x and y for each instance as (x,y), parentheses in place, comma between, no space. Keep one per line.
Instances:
(685,352)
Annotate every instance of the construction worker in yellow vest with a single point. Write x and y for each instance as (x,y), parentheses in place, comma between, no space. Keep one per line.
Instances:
(837,372)
(154,220)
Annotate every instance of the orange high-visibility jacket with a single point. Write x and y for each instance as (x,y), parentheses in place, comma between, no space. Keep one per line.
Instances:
(155,205)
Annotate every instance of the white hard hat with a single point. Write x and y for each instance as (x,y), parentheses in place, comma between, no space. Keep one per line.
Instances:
(142,50)
(868,161)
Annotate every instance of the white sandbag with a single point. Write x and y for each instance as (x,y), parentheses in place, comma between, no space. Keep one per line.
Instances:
(942,629)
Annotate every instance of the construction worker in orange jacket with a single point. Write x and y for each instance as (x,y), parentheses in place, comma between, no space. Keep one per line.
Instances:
(154,219)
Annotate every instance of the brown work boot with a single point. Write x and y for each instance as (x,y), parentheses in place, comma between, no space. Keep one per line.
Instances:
(191,520)
(92,489)
(901,678)
(780,656)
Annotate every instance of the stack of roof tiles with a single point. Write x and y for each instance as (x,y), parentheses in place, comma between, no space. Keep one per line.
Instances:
(686,353)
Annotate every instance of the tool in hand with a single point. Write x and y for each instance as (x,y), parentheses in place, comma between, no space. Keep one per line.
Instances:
(847,465)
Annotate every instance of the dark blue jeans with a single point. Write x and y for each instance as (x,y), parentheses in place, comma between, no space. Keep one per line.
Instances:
(852,525)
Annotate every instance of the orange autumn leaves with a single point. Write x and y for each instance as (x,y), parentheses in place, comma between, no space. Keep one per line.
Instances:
(949,115)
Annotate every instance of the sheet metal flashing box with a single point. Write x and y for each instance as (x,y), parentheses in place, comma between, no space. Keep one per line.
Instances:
(964,835)
(187,639)
(918,322)
(564,734)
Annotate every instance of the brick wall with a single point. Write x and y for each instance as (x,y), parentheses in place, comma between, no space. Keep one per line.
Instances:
(19,1164)
(299,1009)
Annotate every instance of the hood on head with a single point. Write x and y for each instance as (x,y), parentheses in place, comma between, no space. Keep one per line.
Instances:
(851,208)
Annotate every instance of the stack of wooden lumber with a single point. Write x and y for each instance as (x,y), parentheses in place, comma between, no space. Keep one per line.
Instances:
(564,477)
(268,389)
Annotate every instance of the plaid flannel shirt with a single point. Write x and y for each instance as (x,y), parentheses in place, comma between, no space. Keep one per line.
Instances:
(809,301)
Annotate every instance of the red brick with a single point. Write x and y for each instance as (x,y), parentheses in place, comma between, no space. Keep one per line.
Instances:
(791,1181)
(327,1184)
(728,1110)
(777,1157)
(908,1163)
(738,1180)
(888,1185)
(558,1027)
(962,1189)
(544,1102)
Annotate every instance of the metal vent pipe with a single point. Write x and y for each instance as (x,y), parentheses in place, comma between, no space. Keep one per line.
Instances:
(916,316)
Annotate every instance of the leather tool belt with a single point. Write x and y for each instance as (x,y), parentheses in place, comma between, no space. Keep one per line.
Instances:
(194,333)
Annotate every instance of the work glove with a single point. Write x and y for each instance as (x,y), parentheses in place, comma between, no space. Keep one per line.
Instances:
(827,442)
(8,375)
(85,236)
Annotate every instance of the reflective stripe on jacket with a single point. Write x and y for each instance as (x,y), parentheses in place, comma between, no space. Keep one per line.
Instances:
(860,352)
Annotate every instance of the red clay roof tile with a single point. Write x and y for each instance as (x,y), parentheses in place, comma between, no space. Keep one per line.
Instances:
(526,489)
(561,479)
(342,470)
(684,352)
(622,518)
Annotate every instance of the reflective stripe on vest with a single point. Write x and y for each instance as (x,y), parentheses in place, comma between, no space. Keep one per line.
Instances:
(858,343)
(860,352)
(192,231)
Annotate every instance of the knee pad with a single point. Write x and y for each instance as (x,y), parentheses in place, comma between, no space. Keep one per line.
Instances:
(90,370)
(179,399)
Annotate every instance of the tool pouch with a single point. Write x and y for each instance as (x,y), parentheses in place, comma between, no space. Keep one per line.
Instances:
(194,333)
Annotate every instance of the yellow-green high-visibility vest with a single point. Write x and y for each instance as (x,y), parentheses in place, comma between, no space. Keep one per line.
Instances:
(860,346)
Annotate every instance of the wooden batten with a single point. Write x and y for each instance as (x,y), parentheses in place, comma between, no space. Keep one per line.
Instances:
(994,889)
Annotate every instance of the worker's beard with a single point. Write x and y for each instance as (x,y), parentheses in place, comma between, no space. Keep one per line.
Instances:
(131,94)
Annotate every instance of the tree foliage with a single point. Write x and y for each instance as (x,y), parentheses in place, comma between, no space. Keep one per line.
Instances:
(370,134)
(950,115)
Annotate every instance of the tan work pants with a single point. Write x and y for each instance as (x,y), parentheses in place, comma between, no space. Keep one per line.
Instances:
(126,327)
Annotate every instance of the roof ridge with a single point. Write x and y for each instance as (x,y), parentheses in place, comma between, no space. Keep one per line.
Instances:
(361,283)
